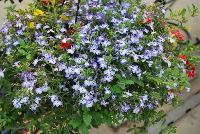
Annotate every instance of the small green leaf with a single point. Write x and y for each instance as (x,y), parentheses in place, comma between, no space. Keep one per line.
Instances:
(75,123)
(116,89)
(129,82)
(87,118)
(84,129)
(118,76)
(29,57)
(122,85)
(140,83)
(106,96)
(183,11)
(22,51)
(22,42)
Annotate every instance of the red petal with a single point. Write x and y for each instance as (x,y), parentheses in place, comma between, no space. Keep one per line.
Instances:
(183,57)
(187,62)
(191,74)
(65,45)
(68,45)
(62,45)
(149,20)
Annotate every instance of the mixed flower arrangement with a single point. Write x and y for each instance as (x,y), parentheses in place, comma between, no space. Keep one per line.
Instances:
(67,66)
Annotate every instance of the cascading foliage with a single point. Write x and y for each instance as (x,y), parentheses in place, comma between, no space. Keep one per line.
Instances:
(67,66)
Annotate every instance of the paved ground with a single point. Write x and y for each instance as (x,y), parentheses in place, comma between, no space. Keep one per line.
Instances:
(188,124)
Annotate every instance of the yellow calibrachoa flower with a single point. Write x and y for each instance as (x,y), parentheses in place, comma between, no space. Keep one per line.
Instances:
(170,57)
(182,88)
(31,25)
(38,12)
(175,44)
(64,17)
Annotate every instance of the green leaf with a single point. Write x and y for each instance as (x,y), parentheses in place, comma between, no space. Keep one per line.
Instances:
(129,82)
(22,42)
(29,57)
(122,85)
(106,96)
(75,123)
(183,11)
(116,89)
(84,129)
(87,118)
(22,52)
(11,8)
(98,119)
(156,95)
(118,76)
(140,83)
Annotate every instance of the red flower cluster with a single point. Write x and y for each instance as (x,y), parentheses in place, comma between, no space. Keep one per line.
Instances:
(191,68)
(149,20)
(191,73)
(66,45)
(178,34)
(71,31)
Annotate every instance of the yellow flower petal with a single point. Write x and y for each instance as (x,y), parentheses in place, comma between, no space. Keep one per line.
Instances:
(31,25)
(175,44)
(170,57)
(38,12)
(182,88)
(64,17)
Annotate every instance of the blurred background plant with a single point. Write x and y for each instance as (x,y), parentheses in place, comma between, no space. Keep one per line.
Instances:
(12,1)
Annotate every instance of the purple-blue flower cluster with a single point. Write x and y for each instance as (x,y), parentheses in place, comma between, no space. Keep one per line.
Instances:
(111,45)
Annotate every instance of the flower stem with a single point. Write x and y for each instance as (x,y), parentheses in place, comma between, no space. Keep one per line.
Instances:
(78,6)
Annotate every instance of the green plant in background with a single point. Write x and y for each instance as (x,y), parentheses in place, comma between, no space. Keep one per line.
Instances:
(12,1)
(68,66)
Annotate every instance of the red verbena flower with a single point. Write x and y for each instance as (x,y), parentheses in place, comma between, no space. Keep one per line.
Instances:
(178,34)
(65,45)
(191,74)
(188,62)
(149,20)
(183,57)
(181,37)
(193,67)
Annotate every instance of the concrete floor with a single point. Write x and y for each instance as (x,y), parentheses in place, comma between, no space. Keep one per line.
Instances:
(189,123)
